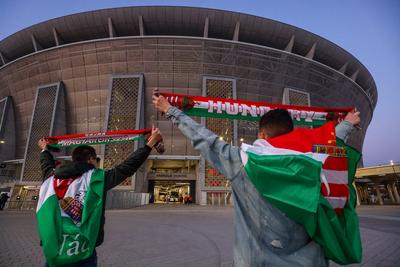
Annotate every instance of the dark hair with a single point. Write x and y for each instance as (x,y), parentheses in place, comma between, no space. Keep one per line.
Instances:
(276,122)
(83,153)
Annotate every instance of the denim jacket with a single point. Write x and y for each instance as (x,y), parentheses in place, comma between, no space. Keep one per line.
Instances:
(264,236)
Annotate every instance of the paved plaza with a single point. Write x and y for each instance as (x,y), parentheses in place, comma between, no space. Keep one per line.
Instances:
(175,235)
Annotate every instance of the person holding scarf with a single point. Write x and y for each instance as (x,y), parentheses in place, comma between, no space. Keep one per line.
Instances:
(264,235)
(72,199)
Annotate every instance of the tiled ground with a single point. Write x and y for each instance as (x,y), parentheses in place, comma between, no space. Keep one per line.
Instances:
(182,236)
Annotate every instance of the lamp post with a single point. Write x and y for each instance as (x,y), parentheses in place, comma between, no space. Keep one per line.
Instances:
(391,162)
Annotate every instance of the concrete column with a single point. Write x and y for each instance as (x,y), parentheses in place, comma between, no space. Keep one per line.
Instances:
(3,59)
(359,196)
(366,195)
(203,198)
(35,43)
(311,53)
(205,32)
(111,31)
(396,193)
(389,189)
(354,75)
(141,26)
(378,194)
(344,67)
(289,46)
(57,38)
(236,33)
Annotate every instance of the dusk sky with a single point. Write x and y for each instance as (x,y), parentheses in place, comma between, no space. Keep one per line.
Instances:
(368,29)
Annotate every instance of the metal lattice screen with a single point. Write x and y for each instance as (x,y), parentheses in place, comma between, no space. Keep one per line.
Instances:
(2,111)
(122,116)
(247,131)
(7,130)
(221,127)
(296,98)
(40,127)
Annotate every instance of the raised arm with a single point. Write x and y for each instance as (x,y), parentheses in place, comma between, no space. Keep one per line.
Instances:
(224,157)
(128,167)
(346,127)
(47,162)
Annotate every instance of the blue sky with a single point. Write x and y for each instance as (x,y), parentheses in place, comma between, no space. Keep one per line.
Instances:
(368,29)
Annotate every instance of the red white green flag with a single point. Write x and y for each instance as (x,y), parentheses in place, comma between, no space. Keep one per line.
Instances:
(308,175)
(247,110)
(69,221)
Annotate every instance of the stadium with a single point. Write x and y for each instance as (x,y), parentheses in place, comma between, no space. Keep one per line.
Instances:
(95,71)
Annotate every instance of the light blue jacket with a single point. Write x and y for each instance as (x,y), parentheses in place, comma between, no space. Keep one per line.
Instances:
(264,236)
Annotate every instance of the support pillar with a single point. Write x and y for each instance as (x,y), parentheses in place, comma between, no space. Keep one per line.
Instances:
(366,195)
(289,46)
(236,33)
(378,194)
(396,193)
(358,195)
(203,198)
(141,26)
(205,32)
(389,189)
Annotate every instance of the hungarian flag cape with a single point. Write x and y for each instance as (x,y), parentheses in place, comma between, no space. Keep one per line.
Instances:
(290,172)
(69,219)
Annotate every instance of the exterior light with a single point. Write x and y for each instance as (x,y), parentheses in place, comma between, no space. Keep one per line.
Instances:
(391,162)
(2,142)
(221,138)
(241,139)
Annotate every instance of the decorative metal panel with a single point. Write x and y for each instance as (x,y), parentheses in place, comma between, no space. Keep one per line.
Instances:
(296,97)
(2,113)
(222,127)
(124,113)
(247,131)
(7,129)
(49,104)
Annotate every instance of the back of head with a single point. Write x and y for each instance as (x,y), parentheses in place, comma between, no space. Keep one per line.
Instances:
(83,153)
(276,122)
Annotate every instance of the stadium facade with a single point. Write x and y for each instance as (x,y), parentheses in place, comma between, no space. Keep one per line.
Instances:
(95,71)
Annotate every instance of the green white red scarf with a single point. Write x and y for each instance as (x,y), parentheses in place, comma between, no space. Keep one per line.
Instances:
(97,138)
(246,110)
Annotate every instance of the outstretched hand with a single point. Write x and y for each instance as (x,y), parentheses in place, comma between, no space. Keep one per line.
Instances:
(160,102)
(155,137)
(353,117)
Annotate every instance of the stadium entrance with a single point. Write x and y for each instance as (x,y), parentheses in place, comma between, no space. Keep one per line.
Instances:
(174,192)
(172,181)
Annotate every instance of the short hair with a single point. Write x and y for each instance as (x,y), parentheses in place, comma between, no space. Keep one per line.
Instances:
(276,122)
(83,153)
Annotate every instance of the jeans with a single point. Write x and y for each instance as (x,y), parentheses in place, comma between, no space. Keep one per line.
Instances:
(89,262)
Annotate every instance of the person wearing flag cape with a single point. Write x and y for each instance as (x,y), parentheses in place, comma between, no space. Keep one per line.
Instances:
(293,195)
(70,210)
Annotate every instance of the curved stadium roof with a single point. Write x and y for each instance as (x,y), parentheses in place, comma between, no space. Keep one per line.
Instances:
(185,21)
